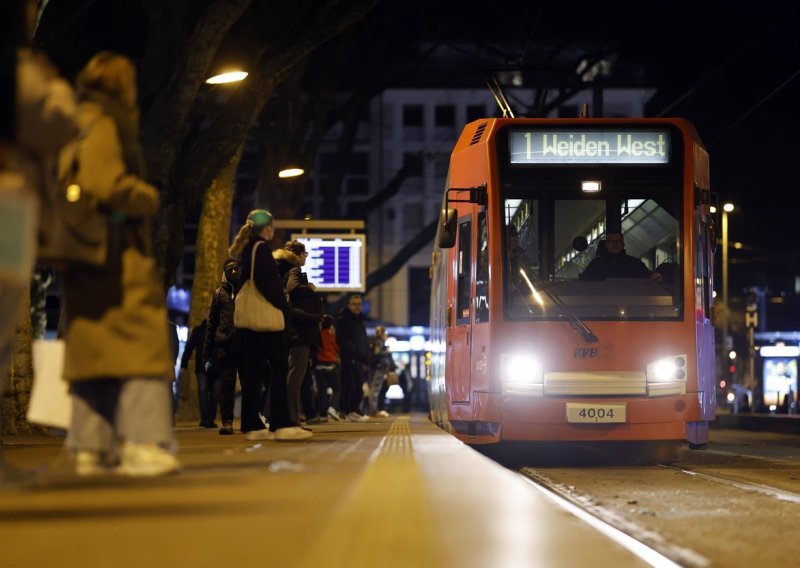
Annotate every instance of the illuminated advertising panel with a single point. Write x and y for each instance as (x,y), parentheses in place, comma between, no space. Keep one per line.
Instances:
(595,146)
(780,375)
(336,262)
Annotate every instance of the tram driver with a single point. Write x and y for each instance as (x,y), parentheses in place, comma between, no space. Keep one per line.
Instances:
(613,262)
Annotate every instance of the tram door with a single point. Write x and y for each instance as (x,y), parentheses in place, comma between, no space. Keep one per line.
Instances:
(457,367)
(704,326)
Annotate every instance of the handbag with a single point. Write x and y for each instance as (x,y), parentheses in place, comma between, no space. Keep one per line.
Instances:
(252,310)
(50,403)
(73,228)
(392,378)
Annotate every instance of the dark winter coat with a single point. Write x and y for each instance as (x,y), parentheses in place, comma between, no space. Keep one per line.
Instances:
(306,304)
(195,345)
(351,335)
(266,276)
(381,358)
(615,266)
(221,338)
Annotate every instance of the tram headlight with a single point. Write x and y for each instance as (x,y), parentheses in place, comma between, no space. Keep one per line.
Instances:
(521,369)
(667,369)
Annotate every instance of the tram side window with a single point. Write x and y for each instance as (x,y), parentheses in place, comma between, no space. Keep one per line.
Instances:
(702,270)
(482,272)
(464,272)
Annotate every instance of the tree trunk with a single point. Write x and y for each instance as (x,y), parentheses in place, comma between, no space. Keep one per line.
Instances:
(19,376)
(213,238)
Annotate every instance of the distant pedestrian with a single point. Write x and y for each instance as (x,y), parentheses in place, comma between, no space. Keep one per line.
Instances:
(351,335)
(221,347)
(265,353)
(207,389)
(327,371)
(117,356)
(381,364)
(305,313)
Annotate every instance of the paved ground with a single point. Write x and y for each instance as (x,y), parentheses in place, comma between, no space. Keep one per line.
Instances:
(234,502)
(395,492)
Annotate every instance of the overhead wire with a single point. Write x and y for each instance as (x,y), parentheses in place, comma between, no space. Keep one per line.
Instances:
(755,107)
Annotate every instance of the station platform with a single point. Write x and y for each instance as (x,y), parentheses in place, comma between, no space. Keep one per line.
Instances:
(394,491)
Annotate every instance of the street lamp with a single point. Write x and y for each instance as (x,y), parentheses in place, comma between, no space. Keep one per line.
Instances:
(228,76)
(726,208)
(290,172)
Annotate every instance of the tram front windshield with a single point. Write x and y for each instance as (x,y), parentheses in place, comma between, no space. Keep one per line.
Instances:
(556,259)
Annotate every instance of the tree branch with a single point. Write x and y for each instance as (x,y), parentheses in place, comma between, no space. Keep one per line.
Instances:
(388,270)
(166,120)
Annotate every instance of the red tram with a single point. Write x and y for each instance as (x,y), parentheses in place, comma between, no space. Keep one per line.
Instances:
(523,347)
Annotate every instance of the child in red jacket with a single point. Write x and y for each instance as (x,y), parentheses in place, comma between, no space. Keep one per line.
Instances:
(327,372)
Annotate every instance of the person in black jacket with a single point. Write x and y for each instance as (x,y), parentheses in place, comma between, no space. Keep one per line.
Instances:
(207,393)
(303,325)
(614,262)
(221,350)
(351,335)
(264,350)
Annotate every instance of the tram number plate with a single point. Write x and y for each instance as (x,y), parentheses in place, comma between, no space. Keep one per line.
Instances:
(592,413)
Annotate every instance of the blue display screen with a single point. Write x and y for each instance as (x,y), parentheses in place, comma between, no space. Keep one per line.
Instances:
(335,263)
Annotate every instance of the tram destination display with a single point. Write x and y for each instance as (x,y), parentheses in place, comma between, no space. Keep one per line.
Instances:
(596,146)
(336,262)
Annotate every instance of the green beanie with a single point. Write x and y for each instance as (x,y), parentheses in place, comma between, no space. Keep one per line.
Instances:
(260,218)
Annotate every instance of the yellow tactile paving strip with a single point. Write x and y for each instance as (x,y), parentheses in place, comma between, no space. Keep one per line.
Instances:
(385,519)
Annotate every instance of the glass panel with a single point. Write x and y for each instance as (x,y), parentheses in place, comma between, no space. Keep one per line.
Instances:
(464,272)
(520,251)
(482,271)
(635,275)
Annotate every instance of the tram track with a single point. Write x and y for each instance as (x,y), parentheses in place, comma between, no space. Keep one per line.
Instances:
(774,492)
(648,545)
(709,508)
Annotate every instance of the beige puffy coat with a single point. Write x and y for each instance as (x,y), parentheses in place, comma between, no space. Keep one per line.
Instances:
(116,315)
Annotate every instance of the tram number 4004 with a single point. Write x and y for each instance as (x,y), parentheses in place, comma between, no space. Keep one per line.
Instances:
(592,413)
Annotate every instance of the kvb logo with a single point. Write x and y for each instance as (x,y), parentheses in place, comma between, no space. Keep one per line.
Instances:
(586,352)
(603,352)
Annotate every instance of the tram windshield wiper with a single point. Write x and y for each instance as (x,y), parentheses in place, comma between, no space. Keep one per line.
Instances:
(577,323)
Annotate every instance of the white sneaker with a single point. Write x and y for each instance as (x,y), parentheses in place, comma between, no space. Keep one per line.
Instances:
(333,414)
(88,463)
(146,460)
(292,433)
(356,417)
(264,434)
(382,414)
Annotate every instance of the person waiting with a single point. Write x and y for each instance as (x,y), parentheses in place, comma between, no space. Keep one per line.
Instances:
(221,346)
(613,262)
(207,391)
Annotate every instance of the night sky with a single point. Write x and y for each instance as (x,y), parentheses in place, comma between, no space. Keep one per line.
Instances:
(731,68)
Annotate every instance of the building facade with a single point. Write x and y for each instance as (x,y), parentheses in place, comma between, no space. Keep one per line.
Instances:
(418,128)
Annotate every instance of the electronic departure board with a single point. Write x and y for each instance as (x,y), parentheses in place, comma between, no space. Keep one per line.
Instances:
(336,262)
(590,146)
